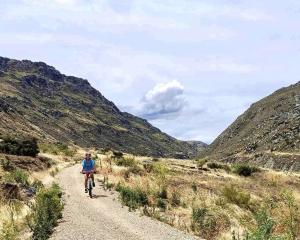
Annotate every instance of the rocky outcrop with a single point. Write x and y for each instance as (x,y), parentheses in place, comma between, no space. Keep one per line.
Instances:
(272,125)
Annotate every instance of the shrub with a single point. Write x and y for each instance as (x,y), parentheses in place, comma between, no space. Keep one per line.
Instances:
(236,196)
(135,169)
(37,185)
(214,165)
(58,148)
(17,176)
(46,212)
(201,162)
(194,187)
(19,146)
(244,169)
(175,199)
(118,154)
(264,230)
(109,186)
(148,167)
(105,150)
(198,215)
(160,171)
(126,162)
(203,221)
(133,198)
(161,203)
(163,193)
(7,164)
(291,217)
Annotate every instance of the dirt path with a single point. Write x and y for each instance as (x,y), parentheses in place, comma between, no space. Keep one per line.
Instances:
(103,217)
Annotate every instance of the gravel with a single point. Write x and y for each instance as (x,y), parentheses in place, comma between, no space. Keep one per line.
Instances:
(103,217)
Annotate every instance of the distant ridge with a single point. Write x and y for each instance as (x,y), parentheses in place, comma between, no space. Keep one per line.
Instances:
(37,100)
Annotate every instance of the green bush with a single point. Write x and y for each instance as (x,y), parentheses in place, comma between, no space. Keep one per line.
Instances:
(161,203)
(37,184)
(292,217)
(105,150)
(194,187)
(203,221)
(148,167)
(201,162)
(236,196)
(57,148)
(264,229)
(7,164)
(214,165)
(17,176)
(135,169)
(163,193)
(126,162)
(175,199)
(118,154)
(19,146)
(198,215)
(160,170)
(243,169)
(133,198)
(109,186)
(46,212)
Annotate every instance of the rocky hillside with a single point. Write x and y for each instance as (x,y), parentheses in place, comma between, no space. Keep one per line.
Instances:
(37,100)
(268,133)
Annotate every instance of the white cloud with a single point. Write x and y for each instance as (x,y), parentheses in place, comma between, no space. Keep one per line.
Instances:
(124,49)
(228,66)
(208,10)
(164,99)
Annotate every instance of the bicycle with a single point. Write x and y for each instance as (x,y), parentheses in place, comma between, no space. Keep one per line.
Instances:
(89,183)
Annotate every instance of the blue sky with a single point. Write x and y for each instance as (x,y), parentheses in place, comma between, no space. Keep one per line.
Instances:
(190,67)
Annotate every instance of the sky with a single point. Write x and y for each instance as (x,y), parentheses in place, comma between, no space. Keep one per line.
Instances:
(190,67)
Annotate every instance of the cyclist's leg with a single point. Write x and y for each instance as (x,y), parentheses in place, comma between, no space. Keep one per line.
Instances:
(93,179)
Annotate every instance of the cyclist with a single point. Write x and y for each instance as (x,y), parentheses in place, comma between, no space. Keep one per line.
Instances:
(88,168)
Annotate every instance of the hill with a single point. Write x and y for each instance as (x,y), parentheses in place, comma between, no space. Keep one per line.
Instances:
(268,133)
(37,100)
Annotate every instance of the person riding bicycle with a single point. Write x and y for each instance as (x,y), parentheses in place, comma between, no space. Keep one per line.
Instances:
(88,168)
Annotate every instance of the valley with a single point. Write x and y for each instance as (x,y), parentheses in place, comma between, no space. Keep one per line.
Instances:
(245,185)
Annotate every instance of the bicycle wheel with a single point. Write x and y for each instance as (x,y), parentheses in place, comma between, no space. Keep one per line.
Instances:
(90,189)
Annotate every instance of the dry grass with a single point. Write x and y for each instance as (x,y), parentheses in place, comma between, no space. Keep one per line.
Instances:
(204,189)
(16,217)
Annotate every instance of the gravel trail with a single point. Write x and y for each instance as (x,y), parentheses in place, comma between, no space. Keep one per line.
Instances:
(103,216)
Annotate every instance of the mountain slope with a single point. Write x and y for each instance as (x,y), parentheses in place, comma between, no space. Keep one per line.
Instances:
(37,100)
(267,133)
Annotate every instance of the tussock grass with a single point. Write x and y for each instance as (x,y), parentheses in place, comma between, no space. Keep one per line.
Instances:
(236,196)
(17,176)
(173,191)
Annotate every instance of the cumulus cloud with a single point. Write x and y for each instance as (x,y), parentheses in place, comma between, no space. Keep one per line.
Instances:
(164,99)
